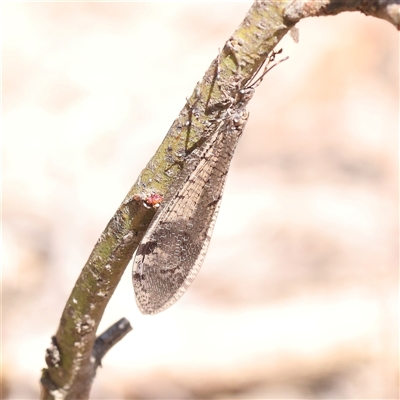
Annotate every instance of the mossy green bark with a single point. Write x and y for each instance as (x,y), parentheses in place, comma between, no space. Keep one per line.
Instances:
(70,365)
(243,54)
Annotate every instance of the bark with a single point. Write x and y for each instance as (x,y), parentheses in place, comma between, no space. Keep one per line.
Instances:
(75,352)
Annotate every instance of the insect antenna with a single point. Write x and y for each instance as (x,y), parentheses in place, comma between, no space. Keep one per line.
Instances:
(268,66)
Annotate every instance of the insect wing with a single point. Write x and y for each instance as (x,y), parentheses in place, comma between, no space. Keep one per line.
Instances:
(173,248)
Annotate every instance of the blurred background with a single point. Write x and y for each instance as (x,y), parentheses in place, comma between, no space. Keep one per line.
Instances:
(298,295)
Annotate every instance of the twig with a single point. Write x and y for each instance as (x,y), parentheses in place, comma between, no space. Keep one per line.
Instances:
(388,10)
(109,338)
(73,350)
(102,345)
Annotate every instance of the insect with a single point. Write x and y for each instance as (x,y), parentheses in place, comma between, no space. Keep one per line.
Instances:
(175,244)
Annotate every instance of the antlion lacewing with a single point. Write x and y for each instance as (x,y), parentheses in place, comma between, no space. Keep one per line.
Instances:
(173,248)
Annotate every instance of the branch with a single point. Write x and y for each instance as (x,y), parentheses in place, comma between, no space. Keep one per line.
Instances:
(388,10)
(109,338)
(102,345)
(75,352)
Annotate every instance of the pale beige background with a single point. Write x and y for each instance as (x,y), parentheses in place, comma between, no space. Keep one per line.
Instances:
(298,296)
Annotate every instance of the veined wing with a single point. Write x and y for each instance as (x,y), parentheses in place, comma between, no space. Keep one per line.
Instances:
(173,248)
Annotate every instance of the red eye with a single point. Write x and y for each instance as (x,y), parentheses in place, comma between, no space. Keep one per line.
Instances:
(154,199)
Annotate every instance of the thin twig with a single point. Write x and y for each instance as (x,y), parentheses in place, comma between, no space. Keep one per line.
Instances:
(109,338)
